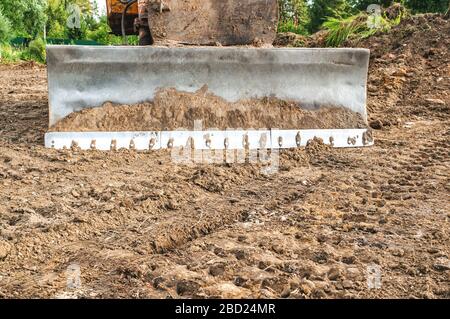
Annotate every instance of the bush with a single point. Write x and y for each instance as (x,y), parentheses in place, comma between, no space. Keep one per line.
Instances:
(9,54)
(5,28)
(290,26)
(35,51)
(56,30)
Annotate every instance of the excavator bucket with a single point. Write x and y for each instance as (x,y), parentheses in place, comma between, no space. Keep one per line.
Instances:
(198,22)
(81,77)
(205,22)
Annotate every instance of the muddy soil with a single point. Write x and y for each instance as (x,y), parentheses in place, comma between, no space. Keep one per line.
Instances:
(173,110)
(331,223)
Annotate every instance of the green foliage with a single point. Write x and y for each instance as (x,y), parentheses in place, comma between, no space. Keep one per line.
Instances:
(339,30)
(27,17)
(322,10)
(58,16)
(36,50)
(35,17)
(364,4)
(362,25)
(8,54)
(5,28)
(294,16)
(418,6)
(290,26)
(101,33)
(56,30)
(57,19)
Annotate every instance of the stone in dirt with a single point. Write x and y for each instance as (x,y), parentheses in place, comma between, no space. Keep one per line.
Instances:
(334,273)
(217,270)
(376,124)
(187,288)
(442,264)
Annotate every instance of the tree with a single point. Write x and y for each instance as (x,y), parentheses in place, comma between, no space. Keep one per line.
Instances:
(27,17)
(364,4)
(418,6)
(321,10)
(294,15)
(58,15)
(35,18)
(296,10)
(5,28)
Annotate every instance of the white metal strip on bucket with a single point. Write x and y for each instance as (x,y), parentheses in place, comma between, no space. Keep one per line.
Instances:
(203,140)
(103,141)
(336,137)
(230,139)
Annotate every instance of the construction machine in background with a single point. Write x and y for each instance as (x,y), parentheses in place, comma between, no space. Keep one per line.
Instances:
(195,22)
(189,44)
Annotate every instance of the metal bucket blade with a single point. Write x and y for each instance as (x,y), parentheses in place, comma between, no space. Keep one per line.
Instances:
(80,77)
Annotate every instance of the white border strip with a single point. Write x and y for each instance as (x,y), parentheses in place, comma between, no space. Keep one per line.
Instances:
(204,140)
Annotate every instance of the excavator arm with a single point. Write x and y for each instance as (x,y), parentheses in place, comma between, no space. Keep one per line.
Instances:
(196,22)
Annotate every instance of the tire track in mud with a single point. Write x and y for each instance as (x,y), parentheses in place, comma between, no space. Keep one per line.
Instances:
(220,211)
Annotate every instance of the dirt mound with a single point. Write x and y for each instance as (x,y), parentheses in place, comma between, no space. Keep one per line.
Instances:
(409,72)
(290,39)
(409,67)
(175,110)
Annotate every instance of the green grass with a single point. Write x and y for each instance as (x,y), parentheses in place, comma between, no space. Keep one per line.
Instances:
(10,54)
(358,27)
(290,26)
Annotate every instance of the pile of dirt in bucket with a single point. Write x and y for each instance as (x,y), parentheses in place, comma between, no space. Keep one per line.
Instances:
(173,110)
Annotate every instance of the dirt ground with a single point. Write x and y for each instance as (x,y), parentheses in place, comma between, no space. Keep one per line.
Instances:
(331,223)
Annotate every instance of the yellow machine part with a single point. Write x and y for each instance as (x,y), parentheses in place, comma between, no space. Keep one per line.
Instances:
(114,6)
(114,11)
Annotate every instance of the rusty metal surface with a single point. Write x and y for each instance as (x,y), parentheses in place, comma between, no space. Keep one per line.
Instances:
(114,11)
(114,6)
(206,22)
(115,22)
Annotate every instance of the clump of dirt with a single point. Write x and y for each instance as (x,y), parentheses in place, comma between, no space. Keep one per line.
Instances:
(173,109)
(290,39)
(316,145)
